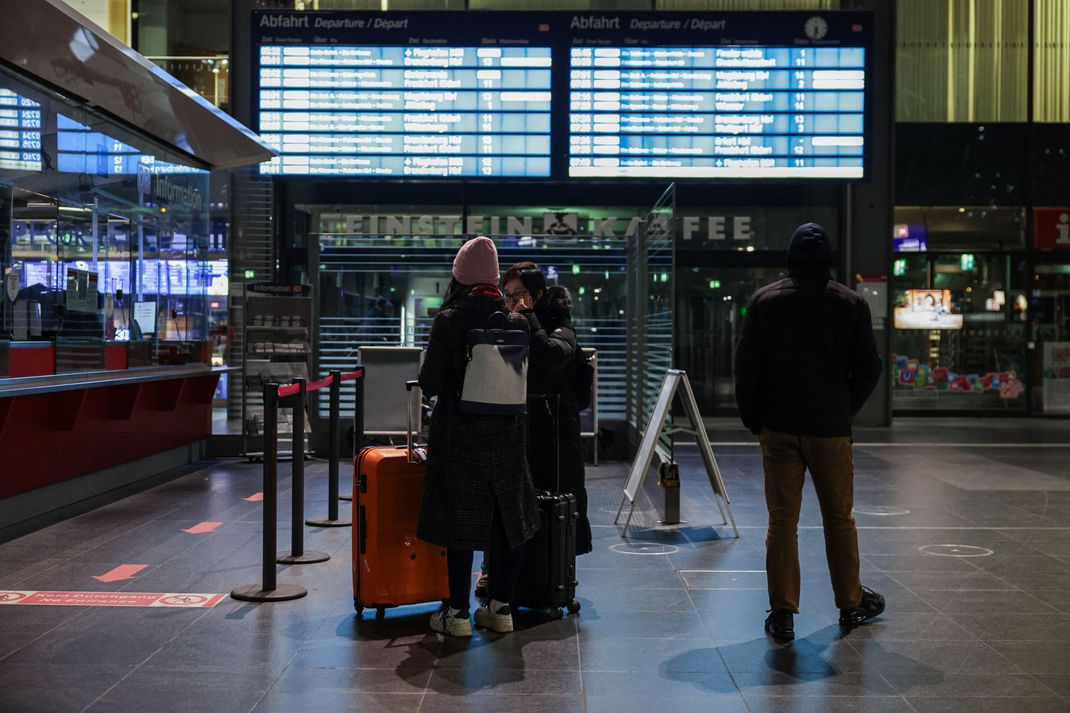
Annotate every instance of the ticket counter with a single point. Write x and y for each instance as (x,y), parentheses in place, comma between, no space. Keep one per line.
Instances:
(105,376)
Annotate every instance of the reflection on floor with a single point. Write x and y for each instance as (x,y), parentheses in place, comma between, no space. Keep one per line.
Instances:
(675,632)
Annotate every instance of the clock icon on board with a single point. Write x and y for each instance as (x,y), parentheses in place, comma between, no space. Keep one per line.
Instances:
(816,28)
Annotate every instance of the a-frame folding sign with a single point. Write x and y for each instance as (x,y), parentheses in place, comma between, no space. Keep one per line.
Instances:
(674,380)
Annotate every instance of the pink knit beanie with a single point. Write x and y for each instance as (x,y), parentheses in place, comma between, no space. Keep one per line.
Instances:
(477,263)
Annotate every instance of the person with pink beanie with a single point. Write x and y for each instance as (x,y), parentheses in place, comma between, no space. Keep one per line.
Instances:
(476,263)
(478,493)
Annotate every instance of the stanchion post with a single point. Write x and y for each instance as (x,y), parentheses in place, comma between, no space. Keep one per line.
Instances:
(333,421)
(358,417)
(269,590)
(332,445)
(297,521)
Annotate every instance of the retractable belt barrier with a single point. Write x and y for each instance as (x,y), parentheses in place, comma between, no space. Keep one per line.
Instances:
(294,396)
(335,381)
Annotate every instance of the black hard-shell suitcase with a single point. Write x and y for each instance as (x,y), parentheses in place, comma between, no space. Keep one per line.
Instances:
(548,579)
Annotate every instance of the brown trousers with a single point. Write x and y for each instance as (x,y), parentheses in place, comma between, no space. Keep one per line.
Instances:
(786,459)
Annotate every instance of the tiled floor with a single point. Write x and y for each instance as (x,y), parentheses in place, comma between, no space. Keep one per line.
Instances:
(675,632)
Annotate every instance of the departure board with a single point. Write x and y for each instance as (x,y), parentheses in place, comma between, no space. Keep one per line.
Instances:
(709,112)
(406,111)
(82,150)
(563,95)
(20,132)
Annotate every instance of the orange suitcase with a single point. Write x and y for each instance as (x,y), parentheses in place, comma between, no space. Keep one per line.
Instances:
(390,566)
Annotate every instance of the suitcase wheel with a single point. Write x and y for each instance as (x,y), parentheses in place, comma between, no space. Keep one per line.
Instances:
(380,613)
(574,607)
(557,613)
(358,607)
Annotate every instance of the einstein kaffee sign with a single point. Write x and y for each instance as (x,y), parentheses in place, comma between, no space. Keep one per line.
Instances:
(761,228)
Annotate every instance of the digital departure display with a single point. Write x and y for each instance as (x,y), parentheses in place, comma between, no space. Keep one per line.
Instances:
(564,95)
(20,132)
(82,150)
(406,111)
(708,112)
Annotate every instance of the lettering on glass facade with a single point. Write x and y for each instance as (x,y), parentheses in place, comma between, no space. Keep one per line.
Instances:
(561,223)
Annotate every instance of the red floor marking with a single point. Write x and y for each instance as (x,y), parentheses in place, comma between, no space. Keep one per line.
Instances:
(254,498)
(111,599)
(123,571)
(202,527)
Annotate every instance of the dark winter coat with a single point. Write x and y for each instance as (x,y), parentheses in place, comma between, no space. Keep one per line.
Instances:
(551,369)
(476,464)
(806,360)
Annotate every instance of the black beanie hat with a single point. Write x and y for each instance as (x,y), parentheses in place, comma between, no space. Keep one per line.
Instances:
(810,246)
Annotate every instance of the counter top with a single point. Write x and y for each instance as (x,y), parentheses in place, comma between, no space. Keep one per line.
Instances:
(30,385)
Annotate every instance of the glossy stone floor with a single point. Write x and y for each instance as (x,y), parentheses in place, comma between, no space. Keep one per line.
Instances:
(671,619)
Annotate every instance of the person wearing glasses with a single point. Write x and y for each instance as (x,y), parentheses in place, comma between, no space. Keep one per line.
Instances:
(551,370)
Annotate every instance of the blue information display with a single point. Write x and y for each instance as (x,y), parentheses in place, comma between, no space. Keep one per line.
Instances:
(708,112)
(406,111)
(564,95)
(20,132)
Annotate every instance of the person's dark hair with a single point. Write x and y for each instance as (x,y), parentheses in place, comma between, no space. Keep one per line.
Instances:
(530,276)
(555,308)
(454,292)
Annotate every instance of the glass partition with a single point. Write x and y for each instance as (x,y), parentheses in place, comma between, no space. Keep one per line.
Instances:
(105,239)
(382,272)
(651,262)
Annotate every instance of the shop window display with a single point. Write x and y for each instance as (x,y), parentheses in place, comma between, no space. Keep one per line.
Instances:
(960,326)
(1050,298)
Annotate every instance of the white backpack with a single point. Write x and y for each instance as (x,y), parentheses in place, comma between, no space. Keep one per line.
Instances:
(496,379)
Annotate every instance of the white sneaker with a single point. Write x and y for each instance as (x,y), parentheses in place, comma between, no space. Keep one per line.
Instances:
(499,619)
(451,625)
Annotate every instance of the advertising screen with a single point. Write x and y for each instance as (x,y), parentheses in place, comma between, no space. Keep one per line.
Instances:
(20,132)
(927,309)
(701,95)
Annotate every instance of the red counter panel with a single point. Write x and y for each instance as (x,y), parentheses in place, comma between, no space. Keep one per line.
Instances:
(51,437)
(31,361)
(116,357)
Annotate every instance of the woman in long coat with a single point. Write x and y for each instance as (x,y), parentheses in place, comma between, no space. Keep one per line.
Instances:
(478,493)
(551,371)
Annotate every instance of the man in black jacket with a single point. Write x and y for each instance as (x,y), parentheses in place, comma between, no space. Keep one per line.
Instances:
(805,364)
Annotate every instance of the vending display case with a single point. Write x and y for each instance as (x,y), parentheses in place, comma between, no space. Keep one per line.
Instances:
(278,348)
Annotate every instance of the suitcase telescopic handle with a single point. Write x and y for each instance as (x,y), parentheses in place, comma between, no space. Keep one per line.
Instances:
(555,399)
(412,404)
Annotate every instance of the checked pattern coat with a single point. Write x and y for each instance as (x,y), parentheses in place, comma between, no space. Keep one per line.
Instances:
(475,464)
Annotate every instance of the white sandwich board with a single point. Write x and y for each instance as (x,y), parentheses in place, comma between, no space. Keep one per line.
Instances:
(674,380)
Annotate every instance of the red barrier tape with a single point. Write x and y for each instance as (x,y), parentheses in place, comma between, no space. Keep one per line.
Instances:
(292,389)
(317,385)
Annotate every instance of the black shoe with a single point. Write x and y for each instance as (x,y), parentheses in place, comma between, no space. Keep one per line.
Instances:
(781,625)
(872,605)
(483,588)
